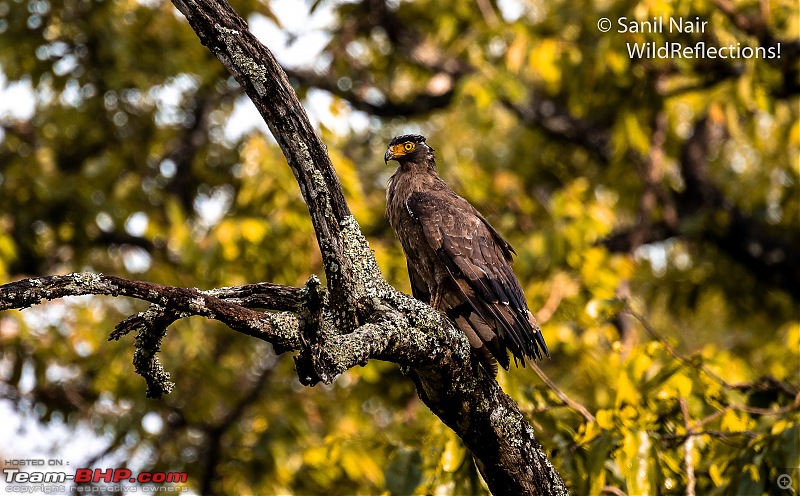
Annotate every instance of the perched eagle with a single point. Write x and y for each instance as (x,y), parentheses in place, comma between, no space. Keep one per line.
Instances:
(457,261)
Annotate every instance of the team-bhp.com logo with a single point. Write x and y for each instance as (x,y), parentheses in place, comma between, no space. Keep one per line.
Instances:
(55,482)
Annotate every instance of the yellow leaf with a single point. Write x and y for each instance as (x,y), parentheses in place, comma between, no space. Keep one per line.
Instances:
(253,230)
(754,475)
(453,455)
(605,419)
(587,433)
(716,475)
(543,60)
(515,54)
(227,235)
(735,422)
(352,465)
(682,385)
(617,62)
(794,139)
(316,456)
(626,391)
(637,137)
(779,426)
(793,337)
(348,427)
(259,425)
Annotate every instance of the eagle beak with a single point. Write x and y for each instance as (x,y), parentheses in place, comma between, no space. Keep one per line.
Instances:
(388,156)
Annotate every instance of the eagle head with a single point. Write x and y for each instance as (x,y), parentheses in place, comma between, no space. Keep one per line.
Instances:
(408,147)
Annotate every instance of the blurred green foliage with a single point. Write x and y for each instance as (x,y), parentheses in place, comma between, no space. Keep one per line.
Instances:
(683,349)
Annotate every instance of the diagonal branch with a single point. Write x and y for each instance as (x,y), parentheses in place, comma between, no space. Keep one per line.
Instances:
(562,395)
(256,70)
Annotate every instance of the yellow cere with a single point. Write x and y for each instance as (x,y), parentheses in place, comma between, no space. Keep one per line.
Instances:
(403,149)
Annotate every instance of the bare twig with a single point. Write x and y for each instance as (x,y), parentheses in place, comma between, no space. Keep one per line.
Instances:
(711,433)
(557,289)
(488,13)
(562,396)
(688,450)
(613,490)
(715,377)
(671,349)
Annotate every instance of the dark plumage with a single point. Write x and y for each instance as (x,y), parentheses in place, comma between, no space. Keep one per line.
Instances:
(456,260)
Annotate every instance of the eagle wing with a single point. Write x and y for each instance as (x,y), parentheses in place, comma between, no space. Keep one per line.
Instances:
(483,297)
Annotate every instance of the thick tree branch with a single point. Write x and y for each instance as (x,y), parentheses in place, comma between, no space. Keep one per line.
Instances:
(256,70)
(280,329)
(259,295)
(406,331)
(169,304)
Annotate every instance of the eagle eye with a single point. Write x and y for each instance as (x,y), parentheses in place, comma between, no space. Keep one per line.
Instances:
(408,146)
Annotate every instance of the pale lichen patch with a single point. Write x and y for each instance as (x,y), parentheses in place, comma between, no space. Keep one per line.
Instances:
(319,184)
(507,425)
(198,305)
(244,65)
(366,272)
(306,162)
(87,279)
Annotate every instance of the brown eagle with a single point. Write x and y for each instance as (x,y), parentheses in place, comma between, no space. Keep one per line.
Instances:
(457,261)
